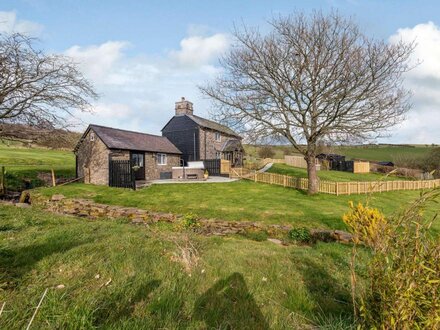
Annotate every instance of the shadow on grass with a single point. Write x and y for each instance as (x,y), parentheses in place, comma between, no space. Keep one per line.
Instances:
(229,305)
(16,262)
(118,306)
(331,300)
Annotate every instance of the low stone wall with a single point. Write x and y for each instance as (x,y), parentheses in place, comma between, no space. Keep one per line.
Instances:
(91,210)
(88,208)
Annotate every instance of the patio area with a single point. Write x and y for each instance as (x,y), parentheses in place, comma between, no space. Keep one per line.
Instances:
(211,179)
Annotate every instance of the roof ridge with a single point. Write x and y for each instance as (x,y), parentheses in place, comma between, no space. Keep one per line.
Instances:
(126,130)
(226,128)
(212,121)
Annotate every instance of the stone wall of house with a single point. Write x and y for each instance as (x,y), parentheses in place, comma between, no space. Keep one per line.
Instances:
(212,145)
(120,154)
(92,160)
(153,170)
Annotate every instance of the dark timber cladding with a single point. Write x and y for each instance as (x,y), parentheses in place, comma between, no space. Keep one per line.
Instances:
(184,134)
(200,138)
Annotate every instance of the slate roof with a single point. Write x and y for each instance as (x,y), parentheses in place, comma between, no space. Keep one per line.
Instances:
(115,138)
(213,125)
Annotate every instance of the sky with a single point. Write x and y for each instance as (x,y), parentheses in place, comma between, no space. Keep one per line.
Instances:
(142,56)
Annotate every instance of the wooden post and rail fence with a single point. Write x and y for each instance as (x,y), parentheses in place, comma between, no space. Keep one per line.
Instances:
(334,188)
(3,167)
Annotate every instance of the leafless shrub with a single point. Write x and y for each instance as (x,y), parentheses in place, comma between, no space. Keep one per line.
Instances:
(266,152)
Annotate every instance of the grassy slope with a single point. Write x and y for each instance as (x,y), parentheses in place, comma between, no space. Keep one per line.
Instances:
(329,175)
(238,283)
(383,153)
(28,162)
(243,200)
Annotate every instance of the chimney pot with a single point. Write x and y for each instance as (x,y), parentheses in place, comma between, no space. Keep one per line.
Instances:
(184,107)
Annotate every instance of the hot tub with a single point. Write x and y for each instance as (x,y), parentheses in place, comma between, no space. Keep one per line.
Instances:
(194,170)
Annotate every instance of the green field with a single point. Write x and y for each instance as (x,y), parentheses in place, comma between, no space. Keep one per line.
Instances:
(330,175)
(115,275)
(24,164)
(370,152)
(383,153)
(242,200)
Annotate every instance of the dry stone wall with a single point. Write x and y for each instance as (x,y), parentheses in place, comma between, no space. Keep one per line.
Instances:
(89,209)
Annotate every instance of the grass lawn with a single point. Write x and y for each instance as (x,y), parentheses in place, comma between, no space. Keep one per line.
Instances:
(236,283)
(25,164)
(330,175)
(242,200)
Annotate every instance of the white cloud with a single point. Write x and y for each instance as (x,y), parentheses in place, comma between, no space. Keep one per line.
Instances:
(138,92)
(197,50)
(9,23)
(97,62)
(423,122)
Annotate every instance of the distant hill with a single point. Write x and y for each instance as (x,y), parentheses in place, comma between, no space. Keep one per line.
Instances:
(371,152)
(28,136)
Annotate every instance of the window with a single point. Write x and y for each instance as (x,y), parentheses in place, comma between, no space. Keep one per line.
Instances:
(92,136)
(137,160)
(218,137)
(218,155)
(161,159)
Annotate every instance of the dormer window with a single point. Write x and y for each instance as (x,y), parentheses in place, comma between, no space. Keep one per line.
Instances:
(92,136)
(218,136)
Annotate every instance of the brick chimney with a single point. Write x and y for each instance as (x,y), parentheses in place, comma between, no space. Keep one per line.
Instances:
(184,107)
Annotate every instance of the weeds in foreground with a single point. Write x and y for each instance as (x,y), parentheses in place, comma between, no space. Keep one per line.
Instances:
(404,288)
(186,253)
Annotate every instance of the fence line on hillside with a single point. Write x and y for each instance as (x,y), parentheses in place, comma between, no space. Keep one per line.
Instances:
(331,187)
(266,161)
(295,161)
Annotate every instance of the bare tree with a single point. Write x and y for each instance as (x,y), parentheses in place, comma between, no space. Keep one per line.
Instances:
(37,88)
(312,78)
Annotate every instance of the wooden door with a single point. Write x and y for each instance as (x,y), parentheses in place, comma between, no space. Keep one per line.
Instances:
(138,162)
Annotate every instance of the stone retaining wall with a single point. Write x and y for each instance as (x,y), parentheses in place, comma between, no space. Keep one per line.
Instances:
(91,210)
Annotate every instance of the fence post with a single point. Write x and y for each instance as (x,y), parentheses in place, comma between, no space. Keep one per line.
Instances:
(337,188)
(54,181)
(285,180)
(2,183)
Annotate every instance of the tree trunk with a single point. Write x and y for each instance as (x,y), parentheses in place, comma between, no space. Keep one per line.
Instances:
(312,175)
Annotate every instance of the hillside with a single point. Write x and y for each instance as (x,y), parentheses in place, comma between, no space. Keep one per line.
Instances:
(32,166)
(370,152)
(29,136)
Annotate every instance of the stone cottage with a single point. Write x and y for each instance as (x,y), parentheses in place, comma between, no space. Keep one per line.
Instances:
(199,138)
(152,156)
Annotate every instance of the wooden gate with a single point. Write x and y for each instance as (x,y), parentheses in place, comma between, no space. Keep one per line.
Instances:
(217,167)
(121,174)
(212,166)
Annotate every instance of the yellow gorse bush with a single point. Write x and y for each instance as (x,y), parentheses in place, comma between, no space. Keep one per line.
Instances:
(366,224)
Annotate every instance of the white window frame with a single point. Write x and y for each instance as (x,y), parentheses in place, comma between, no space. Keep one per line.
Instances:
(218,155)
(218,136)
(92,136)
(161,159)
